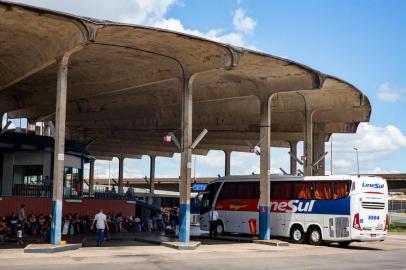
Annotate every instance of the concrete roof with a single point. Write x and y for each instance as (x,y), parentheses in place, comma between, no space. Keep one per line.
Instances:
(125,85)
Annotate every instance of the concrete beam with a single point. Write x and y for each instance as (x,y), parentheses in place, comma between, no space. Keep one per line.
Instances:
(308,144)
(91,177)
(265,159)
(59,149)
(293,162)
(319,150)
(186,161)
(152,175)
(120,174)
(227,161)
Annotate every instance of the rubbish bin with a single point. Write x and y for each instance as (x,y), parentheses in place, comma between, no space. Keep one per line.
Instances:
(253,225)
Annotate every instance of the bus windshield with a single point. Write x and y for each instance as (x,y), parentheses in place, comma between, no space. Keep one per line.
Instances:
(208,197)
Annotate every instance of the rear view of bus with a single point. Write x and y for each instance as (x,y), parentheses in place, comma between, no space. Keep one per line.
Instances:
(369,209)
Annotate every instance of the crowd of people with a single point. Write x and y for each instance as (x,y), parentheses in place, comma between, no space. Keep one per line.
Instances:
(19,224)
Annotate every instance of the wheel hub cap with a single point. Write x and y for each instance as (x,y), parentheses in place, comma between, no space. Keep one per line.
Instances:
(315,236)
(297,235)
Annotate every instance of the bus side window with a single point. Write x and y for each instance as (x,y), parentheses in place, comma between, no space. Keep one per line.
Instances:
(246,190)
(281,190)
(341,189)
(323,190)
(303,190)
(228,191)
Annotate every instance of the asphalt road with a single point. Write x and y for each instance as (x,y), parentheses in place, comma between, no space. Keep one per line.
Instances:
(390,254)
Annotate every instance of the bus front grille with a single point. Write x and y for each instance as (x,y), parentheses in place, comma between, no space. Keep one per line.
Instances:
(373,205)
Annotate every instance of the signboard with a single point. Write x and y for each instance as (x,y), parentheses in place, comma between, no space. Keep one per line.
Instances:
(199,187)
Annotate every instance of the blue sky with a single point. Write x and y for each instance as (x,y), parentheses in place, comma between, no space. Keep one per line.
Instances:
(362,42)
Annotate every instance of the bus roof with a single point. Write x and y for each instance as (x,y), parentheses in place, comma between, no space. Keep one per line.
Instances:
(280,177)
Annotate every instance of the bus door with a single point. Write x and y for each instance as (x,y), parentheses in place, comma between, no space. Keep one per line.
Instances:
(228,207)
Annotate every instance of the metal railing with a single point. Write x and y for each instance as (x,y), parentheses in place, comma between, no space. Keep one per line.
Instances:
(45,191)
(29,190)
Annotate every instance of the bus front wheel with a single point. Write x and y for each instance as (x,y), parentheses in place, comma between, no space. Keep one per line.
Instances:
(315,236)
(220,228)
(297,235)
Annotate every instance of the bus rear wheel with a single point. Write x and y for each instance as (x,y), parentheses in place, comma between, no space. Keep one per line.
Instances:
(315,236)
(297,235)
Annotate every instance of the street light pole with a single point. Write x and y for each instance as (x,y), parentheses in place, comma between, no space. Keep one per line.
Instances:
(356,151)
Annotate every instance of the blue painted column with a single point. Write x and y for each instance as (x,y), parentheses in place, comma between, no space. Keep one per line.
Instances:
(186,162)
(59,149)
(184,223)
(265,160)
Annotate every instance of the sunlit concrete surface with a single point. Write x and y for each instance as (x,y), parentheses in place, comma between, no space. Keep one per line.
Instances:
(223,255)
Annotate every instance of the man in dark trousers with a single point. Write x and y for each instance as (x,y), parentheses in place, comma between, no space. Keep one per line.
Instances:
(213,216)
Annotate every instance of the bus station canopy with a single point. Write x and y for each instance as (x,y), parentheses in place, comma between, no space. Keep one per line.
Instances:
(125,84)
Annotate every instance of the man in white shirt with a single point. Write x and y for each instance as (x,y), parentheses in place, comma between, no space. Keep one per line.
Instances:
(101,224)
(213,216)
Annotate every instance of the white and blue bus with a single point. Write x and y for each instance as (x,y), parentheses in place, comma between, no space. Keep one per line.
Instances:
(339,208)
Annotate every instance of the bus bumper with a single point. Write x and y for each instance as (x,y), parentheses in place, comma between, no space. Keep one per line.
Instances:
(370,236)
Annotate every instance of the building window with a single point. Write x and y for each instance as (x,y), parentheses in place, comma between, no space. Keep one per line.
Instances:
(72,183)
(27,174)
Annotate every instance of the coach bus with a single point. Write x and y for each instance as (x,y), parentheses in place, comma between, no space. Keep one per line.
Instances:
(316,209)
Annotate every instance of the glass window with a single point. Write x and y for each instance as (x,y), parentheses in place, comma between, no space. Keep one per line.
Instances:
(281,190)
(341,189)
(303,190)
(228,191)
(247,190)
(323,190)
(208,197)
(72,184)
(27,174)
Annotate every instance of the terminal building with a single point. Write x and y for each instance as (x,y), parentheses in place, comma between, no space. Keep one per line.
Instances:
(117,90)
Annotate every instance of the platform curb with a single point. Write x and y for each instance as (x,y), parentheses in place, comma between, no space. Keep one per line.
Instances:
(48,248)
(182,245)
(275,243)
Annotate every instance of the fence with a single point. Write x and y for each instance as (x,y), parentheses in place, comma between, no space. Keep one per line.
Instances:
(45,191)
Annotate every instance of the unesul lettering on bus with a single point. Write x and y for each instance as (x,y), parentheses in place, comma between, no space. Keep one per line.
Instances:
(292,206)
(375,185)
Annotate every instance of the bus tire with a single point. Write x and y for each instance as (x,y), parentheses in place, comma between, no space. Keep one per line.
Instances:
(297,234)
(220,227)
(314,235)
(344,244)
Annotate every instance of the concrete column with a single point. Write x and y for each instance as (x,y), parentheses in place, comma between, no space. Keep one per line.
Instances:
(91,178)
(308,144)
(265,158)
(186,162)
(318,151)
(120,175)
(227,165)
(2,116)
(59,149)
(293,162)
(151,179)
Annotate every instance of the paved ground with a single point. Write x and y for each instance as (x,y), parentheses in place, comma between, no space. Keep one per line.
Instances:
(390,254)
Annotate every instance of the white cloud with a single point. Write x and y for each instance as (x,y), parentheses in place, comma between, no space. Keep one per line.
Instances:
(371,141)
(389,94)
(379,170)
(342,163)
(150,13)
(374,144)
(242,22)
